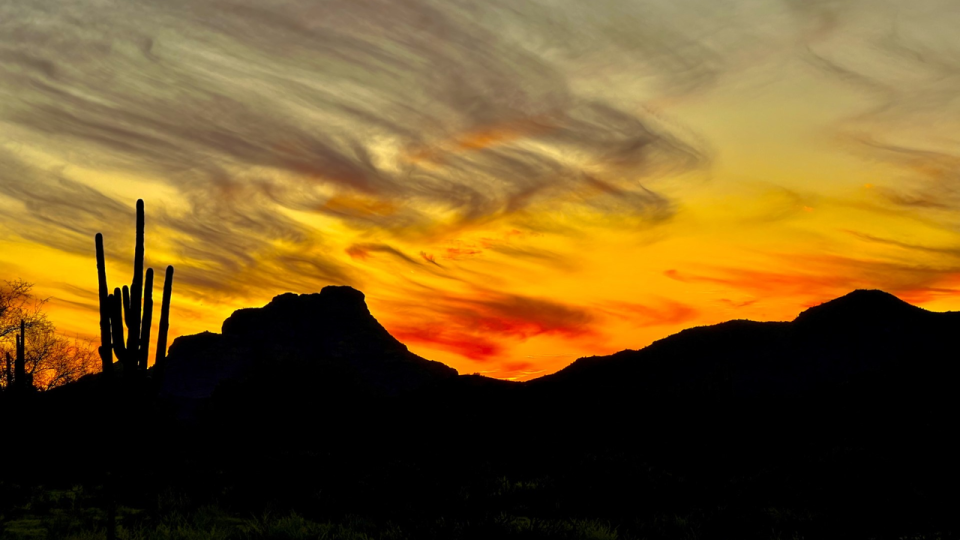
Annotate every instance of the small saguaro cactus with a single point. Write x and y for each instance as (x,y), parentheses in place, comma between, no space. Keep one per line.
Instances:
(20,378)
(131,306)
(8,374)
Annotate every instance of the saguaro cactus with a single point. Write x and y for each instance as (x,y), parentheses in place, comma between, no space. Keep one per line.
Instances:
(131,306)
(8,373)
(20,379)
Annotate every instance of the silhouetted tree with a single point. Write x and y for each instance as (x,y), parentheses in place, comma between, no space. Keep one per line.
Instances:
(17,303)
(48,358)
(54,360)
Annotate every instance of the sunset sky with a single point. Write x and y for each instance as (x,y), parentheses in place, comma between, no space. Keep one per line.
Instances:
(512,184)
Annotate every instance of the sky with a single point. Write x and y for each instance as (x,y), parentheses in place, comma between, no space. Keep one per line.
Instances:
(512,184)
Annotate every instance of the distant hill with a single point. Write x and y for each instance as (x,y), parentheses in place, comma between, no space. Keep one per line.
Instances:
(866,335)
(865,371)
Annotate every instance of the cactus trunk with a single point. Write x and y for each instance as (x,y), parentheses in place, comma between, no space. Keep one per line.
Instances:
(136,290)
(116,325)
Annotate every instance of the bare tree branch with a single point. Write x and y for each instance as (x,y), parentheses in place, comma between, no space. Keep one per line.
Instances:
(51,359)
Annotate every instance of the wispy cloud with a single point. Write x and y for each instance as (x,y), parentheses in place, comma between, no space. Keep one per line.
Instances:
(490,145)
(825,276)
(414,102)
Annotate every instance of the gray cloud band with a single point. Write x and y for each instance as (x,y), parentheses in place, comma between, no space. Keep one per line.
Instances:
(332,93)
(478,110)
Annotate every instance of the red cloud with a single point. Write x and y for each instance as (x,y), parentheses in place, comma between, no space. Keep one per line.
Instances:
(477,327)
(468,345)
(523,317)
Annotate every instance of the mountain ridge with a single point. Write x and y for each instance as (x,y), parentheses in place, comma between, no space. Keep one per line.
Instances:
(342,311)
(862,335)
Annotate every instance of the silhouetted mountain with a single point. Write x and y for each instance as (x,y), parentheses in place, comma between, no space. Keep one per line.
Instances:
(308,343)
(847,341)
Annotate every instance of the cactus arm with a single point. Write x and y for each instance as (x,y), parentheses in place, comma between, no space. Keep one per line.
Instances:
(116,326)
(164,317)
(125,294)
(147,320)
(106,353)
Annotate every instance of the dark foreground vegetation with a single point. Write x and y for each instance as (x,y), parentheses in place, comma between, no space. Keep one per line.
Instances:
(306,419)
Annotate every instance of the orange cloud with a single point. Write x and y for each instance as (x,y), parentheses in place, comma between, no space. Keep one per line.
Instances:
(458,253)
(669,312)
(429,258)
(364,251)
(825,277)
(357,252)
(734,304)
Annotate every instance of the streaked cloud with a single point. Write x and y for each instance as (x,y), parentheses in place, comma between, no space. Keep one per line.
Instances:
(497,176)
(475,325)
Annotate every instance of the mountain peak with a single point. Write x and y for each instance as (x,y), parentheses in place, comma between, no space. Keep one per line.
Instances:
(327,332)
(339,307)
(342,294)
(864,305)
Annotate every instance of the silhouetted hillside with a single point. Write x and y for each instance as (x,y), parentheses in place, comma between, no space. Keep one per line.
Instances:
(298,344)
(863,336)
